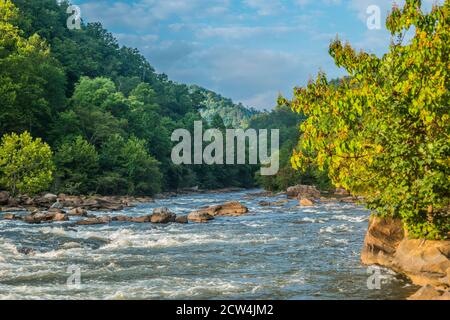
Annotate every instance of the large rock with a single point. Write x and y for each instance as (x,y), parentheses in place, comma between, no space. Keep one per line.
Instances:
(199,217)
(162,215)
(232,209)
(425,262)
(382,239)
(303,191)
(9,216)
(429,292)
(4,197)
(45,217)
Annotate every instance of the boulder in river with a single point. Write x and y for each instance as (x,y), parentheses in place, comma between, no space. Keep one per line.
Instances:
(9,216)
(181,219)
(199,217)
(232,209)
(42,217)
(162,215)
(305,191)
(95,220)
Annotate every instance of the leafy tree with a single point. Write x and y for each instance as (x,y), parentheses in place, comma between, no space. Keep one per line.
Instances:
(25,164)
(91,112)
(383,132)
(128,168)
(77,164)
(31,83)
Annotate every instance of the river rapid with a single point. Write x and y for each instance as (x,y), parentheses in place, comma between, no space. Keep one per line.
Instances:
(285,252)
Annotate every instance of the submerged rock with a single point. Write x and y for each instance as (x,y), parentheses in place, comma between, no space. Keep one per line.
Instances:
(273,204)
(144,219)
(305,202)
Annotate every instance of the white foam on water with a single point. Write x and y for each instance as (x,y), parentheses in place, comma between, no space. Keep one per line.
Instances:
(336,229)
(348,218)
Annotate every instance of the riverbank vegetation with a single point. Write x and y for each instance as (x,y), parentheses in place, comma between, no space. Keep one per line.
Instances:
(383,131)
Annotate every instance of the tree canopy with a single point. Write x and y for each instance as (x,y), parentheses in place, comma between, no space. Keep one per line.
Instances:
(383,131)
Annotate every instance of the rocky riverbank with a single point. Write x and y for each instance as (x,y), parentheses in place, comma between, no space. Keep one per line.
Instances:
(425,262)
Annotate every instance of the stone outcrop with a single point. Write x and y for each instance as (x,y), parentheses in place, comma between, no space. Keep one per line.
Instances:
(382,239)
(429,292)
(302,191)
(425,262)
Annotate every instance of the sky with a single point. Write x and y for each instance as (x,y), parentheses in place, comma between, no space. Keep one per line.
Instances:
(247,50)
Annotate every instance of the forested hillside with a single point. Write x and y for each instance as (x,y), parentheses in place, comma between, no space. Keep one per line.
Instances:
(102,108)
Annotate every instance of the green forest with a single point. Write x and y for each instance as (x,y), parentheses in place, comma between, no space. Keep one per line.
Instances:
(80,114)
(96,118)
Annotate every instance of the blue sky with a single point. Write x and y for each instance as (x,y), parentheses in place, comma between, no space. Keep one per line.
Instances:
(247,50)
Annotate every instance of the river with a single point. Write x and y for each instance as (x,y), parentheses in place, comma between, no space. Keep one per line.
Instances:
(271,253)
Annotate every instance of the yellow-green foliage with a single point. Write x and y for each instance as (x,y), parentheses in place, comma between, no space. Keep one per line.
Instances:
(25,164)
(384,130)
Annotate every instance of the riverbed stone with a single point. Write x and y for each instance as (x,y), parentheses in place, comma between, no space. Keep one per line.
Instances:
(199,217)
(162,215)
(95,221)
(79,212)
(9,216)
